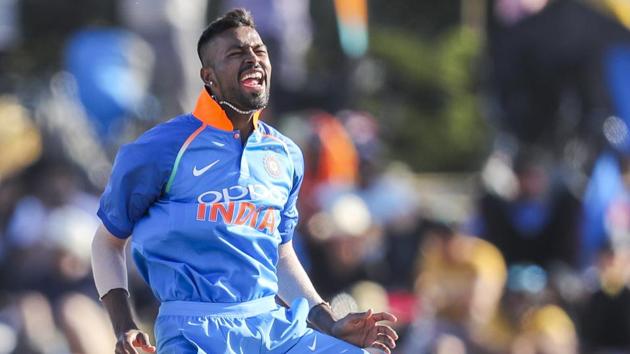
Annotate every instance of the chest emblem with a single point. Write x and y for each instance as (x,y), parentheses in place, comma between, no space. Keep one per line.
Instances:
(272,166)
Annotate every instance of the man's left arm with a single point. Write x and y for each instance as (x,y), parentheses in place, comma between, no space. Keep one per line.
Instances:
(361,329)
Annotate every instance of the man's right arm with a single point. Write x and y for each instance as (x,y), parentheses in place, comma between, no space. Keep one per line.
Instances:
(110,277)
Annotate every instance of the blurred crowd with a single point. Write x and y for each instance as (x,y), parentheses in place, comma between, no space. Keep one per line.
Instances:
(533,259)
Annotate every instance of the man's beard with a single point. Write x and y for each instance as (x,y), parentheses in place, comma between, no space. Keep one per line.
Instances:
(246,104)
(257,102)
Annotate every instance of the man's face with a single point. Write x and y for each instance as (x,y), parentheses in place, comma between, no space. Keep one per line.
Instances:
(239,67)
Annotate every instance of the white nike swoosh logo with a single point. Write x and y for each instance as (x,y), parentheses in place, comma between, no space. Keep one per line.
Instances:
(312,346)
(218,143)
(198,173)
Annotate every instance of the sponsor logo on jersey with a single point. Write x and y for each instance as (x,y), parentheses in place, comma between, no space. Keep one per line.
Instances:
(239,213)
(235,205)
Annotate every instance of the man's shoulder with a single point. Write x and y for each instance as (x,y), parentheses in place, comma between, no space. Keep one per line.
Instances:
(269,130)
(174,129)
(293,149)
(163,141)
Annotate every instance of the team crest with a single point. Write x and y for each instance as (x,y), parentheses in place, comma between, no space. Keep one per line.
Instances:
(272,166)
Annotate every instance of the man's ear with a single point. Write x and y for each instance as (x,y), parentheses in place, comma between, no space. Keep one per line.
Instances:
(207,76)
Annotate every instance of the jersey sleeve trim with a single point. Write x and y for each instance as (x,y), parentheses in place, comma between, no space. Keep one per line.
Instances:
(110,226)
(182,149)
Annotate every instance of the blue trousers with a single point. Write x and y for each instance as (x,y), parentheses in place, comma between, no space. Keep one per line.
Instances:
(258,326)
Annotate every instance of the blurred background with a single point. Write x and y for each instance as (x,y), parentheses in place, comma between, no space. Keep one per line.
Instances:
(467,162)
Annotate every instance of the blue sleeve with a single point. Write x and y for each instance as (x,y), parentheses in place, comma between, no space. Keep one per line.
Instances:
(289,216)
(140,171)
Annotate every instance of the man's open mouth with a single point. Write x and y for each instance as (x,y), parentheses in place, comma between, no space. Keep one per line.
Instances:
(253,79)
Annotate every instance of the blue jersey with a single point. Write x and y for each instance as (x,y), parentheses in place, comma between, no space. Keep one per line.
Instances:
(207,213)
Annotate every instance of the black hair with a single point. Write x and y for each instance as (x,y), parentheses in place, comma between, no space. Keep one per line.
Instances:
(232,19)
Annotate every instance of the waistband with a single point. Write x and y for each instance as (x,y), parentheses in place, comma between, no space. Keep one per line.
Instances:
(237,309)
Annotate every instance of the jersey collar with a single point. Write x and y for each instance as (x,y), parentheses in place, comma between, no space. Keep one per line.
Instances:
(208,111)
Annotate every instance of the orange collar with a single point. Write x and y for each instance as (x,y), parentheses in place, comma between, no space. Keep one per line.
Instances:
(208,111)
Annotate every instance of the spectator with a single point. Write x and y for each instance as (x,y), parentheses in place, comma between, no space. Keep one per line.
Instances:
(546,330)
(539,223)
(546,64)
(459,287)
(606,313)
(48,255)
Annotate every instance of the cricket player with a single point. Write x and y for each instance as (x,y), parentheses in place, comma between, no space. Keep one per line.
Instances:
(208,201)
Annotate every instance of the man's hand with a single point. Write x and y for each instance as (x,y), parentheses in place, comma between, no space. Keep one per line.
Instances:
(128,336)
(129,340)
(363,330)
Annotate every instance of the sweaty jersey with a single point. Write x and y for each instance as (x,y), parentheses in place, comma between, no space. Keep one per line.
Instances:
(207,213)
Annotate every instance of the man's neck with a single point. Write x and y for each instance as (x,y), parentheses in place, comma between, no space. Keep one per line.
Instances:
(243,122)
